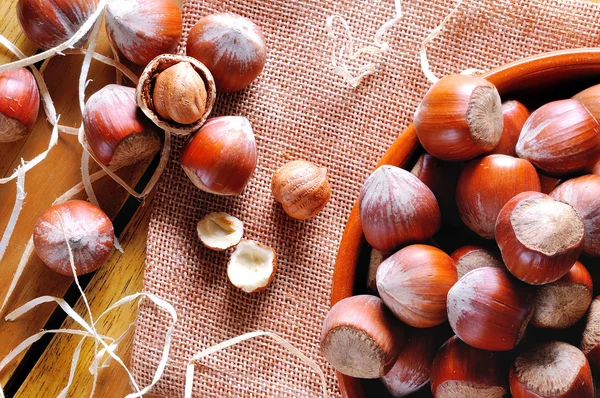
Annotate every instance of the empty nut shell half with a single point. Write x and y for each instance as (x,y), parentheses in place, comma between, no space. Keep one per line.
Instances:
(146,87)
(220,231)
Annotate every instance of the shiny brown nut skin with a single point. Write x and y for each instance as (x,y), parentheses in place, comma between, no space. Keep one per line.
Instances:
(537,246)
(231,46)
(116,130)
(19,104)
(486,184)
(561,138)
(489,309)
(50,23)
(515,115)
(88,230)
(144,29)
(459,118)
(470,257)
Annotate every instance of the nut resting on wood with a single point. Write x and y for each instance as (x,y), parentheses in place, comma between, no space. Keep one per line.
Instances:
(88,230)
(252,266)
(220,231)
(177,93)
(19,104)
(302,188)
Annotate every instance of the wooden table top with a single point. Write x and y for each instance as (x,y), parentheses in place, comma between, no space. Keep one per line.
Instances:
(44,370)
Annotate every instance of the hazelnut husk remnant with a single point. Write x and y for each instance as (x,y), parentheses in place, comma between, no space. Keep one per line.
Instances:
(178,95)
(302,188)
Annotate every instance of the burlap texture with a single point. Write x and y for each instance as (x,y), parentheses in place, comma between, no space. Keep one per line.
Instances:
(298,108)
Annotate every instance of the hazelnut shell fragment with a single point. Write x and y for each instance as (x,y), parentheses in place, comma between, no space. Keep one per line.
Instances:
(220,231)
(252,266)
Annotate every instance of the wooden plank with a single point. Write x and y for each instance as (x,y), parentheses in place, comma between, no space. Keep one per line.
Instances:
(120,276)
(59,172)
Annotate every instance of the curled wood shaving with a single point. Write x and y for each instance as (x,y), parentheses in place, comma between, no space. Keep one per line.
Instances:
(14,216)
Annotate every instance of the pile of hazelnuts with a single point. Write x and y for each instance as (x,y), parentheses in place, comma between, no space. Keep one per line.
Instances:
(526,185)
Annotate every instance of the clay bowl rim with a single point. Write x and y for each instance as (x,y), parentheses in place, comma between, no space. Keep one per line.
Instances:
(406,145)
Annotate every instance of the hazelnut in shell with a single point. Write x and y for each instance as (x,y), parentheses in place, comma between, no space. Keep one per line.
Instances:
(116,130)
(563,302)
(488,309)
(177,93)
(361,337)
(540,238)
(220,158)
(590,98)
(302,188)
(397,208)
(468,258)
(590,341)
(232,48)
(486,184)
(583,193)
(514,115)
(414,282)
(460,370)
(375,260)
(88,230)
(459,118)
(560,138)
(552,369)
(50,23)
(252,266)
(143,29)
(19,104)
(220,231)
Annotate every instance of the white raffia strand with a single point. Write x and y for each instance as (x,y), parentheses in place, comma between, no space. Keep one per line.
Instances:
(339,60)
(189,374)
(14,216)
(434,33)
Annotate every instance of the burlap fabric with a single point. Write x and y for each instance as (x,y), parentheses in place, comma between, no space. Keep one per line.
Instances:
(299,109)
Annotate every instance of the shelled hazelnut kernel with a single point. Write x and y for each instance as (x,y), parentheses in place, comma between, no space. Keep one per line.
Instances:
(560,138)
(361,337)
(486,184)
(583,193)
(540,238)
(177,93)
(302,188)
(468,258)
(19,104)
(87,229)
(397,208)
(490,310)
(414,282)
(552,369)
(459,118)
(460,370)
(563,302)
(514,115)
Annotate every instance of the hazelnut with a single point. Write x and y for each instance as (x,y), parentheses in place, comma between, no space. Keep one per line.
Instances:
(177,93)
(50,23)
(143,29)
(220,231)
(560,138)
(468,258)
(563,302)
(590,98)
(116,130)
(220,158)
(583,193)
(490,310)
(375,260)
(540,238)
(486,184)
(252,266)
(232,48)
(590,341)
(414,282)
(302,188)
(19,104)
(397,208)
(459,118)
(462,371)
(88,230)
(514,115)
(361,338)
(552,369)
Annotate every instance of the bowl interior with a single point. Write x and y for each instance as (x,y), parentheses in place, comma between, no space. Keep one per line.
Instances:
(533,81)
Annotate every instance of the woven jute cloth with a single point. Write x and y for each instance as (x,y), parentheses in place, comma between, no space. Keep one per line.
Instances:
(299,109)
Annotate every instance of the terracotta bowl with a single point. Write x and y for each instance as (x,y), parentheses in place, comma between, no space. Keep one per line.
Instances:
(533,81)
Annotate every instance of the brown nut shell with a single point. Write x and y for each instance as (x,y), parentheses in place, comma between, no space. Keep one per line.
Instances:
(515,115)
(468,258)
(590,341)
(19,104)
(145,89)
